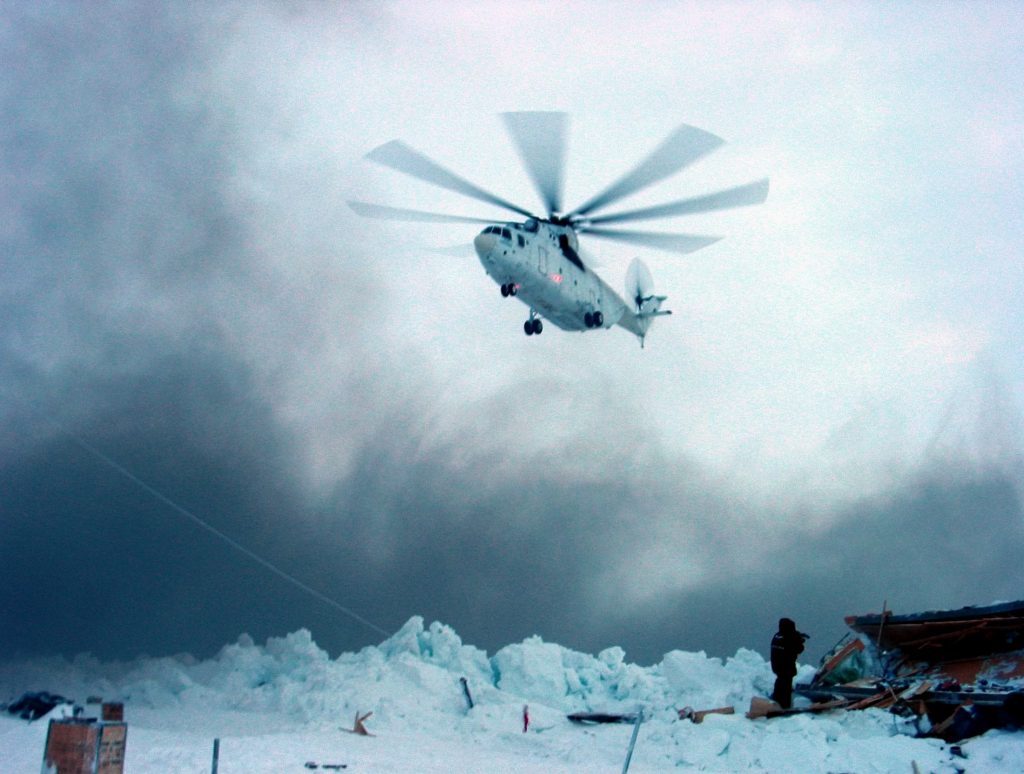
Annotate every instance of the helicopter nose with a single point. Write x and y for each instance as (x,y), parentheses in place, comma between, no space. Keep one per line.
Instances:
(484,243)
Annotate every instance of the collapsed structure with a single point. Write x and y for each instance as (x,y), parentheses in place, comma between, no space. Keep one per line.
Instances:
(959,672)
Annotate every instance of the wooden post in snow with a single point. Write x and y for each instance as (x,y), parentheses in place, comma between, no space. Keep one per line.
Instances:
(216,756)
(881,623)
(465,691)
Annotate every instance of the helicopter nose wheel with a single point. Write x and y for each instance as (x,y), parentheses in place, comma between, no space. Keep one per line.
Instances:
(533,325)
(595,320)
(509,289)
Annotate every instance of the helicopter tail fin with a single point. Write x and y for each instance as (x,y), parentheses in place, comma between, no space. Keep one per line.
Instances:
(644,304)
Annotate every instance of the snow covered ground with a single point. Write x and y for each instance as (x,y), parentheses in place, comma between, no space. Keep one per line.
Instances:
(277,706)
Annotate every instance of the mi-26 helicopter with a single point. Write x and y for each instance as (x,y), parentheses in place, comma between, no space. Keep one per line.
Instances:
(538,259)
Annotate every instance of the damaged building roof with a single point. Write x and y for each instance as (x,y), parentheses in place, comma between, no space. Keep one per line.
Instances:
(961,672)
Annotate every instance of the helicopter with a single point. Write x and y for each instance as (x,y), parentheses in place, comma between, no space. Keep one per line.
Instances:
(537,260)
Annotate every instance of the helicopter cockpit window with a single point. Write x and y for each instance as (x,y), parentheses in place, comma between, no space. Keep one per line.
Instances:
(506,234)
(531,225)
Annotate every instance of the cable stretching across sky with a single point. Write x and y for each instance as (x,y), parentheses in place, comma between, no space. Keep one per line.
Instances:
(217,533)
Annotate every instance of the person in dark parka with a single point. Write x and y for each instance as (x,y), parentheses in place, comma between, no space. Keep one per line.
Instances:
(787,644)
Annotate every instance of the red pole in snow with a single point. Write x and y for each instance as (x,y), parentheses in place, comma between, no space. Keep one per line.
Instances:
(526,717)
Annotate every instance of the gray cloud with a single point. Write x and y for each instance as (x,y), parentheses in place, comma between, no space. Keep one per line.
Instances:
(180,292)
(499,548)
(942,539)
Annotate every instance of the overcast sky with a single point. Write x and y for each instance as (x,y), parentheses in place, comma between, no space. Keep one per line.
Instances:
(830,420)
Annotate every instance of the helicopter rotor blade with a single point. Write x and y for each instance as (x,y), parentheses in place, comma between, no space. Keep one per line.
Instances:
(683,147)
(401,157)
(671,243)
(382,212)
(539,137)
(740,196)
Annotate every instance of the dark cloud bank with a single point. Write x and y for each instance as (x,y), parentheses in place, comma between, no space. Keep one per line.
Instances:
(90,561)
(124,256)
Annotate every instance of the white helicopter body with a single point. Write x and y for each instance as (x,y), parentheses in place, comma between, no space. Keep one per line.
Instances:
(539,264)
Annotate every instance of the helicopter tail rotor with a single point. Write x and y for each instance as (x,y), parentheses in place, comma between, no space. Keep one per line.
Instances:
(645,304)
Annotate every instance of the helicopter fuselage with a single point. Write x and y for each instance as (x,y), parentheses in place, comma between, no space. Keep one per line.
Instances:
(537,262)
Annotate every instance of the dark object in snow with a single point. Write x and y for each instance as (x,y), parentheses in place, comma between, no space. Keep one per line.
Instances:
(328,766)
(1013,706)
(465,690)
(961,668)
(601,717)
(32,706)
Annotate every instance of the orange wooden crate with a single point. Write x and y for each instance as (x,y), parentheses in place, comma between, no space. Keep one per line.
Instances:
(85,747)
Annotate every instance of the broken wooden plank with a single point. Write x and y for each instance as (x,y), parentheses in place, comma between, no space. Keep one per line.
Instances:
(358,727)
(880,699)
(939,729)
(697,716)
(761,707)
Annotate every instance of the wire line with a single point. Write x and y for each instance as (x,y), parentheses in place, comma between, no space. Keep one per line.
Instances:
(216,532)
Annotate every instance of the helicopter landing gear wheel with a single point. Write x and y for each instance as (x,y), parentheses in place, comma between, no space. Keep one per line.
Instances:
(598,319)
(533,325)
(513,289)
(588,319)
(504,291)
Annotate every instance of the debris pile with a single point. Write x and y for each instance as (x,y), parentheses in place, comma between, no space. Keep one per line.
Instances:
(957,673)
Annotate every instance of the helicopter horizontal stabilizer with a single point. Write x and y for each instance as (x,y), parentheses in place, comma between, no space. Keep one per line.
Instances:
(655,313)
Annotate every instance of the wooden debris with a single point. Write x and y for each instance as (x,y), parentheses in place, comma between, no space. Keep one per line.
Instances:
(761,707)
(697,716)
(358,727)
(941,728)
(882,700)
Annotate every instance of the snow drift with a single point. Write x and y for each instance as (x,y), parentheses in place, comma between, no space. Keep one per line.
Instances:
(279,705)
